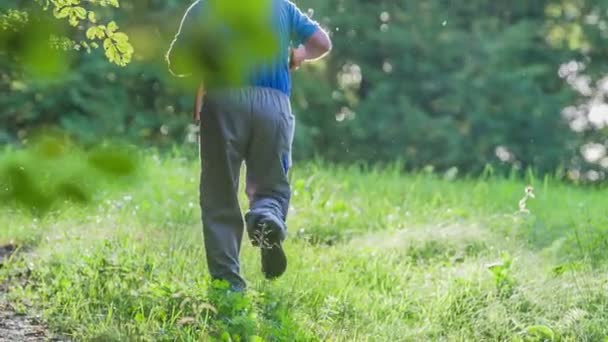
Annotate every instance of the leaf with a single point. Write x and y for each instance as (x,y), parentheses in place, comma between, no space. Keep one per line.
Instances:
(92,17)
(567,267)
(125,49)
(73,20)
(120,38)
(79,12)
(119,53)
(116,161)
(86,46)
(111,52)
(50,148)
(107,44)
(61,12)
(139,317)
(113,3)
(73,192)
(91,32)
(112,27)
(96,32)
(542,332)
(23,189)
(561,269)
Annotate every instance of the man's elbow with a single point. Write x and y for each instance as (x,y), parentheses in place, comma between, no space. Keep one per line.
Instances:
(319,43)
(327,45)
(324,42)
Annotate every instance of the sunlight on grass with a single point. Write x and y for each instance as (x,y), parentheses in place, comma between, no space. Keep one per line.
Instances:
(373,255)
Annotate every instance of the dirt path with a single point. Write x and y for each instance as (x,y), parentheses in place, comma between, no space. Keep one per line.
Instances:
(15,327)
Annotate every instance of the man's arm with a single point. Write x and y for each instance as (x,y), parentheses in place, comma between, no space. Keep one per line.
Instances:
(180,56)
(314,41)
(316,47)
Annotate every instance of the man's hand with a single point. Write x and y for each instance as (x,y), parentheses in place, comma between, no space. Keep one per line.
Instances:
(297,57)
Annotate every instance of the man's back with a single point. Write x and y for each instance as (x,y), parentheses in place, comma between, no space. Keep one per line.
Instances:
(292,28)
(226,48)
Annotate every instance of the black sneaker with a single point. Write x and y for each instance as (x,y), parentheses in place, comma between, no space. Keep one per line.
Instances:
(253,221)
(274,260)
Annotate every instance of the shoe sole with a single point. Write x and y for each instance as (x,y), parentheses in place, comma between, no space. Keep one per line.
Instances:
(274,260)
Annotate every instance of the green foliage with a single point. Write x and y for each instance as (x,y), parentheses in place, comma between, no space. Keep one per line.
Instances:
(457,85)
(116,44)
(539,333)
(53,170)
(12,19)
(438,83)
(505,284)
(131,265)
(580,27)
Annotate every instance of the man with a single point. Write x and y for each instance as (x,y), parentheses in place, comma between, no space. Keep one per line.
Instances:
(247,122)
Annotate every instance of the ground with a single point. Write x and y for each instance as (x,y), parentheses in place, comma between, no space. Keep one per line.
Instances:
(14,326)
(374,255)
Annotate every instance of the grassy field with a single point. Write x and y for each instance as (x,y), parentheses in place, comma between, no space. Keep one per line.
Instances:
(374,255)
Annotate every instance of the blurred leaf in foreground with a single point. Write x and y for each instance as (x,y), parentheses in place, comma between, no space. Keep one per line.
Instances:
(52,170)
(30,45)
(116,161)
(223,42)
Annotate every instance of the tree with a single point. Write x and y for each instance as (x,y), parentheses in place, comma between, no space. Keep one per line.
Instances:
(79,15)
(441,83)
(52,169)
(581,27)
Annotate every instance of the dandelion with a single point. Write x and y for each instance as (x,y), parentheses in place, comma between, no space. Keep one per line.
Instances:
(522,203)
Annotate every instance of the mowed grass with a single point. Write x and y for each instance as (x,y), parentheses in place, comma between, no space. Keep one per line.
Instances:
(374,255)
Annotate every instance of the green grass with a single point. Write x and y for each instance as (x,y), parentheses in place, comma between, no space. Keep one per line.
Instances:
(374,255)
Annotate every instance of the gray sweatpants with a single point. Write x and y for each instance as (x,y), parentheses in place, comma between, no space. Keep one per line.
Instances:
(251,125)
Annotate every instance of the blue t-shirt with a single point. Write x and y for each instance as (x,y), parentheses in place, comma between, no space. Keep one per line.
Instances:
(290,26)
